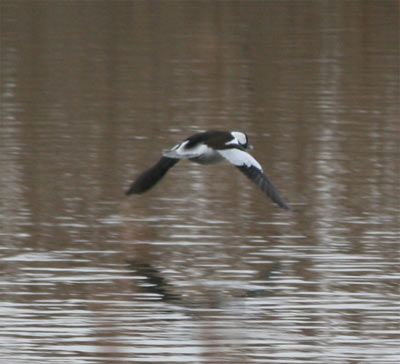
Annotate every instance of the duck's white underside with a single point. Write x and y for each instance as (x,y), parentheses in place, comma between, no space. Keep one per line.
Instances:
(201,153)
(206,155)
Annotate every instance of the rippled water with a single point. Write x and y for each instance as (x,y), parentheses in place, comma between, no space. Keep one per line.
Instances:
(203,268)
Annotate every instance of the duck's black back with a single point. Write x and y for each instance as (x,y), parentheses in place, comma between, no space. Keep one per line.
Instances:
(213,138)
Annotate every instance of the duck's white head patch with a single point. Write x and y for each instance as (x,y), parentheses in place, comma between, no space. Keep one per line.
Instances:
(240,139)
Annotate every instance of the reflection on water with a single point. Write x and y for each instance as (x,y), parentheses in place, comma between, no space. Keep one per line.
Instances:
(203,268)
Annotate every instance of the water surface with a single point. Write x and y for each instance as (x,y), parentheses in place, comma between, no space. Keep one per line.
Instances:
(203,268)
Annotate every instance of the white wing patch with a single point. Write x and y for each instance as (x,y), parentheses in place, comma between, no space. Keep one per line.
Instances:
(239,158)
(252,169)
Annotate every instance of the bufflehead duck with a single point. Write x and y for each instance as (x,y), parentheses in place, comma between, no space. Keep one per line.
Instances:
(206,148)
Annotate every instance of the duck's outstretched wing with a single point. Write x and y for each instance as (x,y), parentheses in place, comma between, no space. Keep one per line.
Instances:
(152,175)
(253,170)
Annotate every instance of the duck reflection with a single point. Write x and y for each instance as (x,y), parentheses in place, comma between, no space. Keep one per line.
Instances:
(151,281)
(265,280)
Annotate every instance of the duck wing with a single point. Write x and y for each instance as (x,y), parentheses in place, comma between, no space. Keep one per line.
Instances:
(253,170)
(151,176)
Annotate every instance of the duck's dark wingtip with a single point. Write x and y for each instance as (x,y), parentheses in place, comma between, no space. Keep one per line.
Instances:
(137,188)
(128,192)
(151,176)
(284,205)
(288,208)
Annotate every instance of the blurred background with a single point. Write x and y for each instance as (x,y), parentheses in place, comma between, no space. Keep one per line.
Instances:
(203,268)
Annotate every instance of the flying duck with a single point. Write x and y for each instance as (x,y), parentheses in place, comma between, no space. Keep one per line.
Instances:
(210,147)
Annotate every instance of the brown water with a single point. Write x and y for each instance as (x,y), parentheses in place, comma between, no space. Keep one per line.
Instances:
(202,269)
